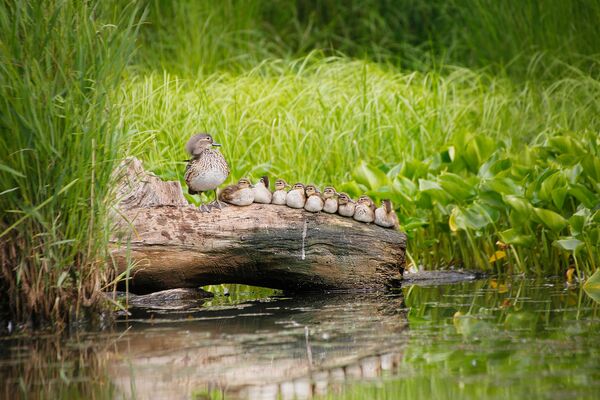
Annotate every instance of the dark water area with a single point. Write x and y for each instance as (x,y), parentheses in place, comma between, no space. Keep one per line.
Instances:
(489,338)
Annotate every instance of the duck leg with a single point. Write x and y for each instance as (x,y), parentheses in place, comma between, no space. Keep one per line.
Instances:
(216,203)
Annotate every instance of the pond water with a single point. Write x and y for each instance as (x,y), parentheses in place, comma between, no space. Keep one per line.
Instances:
(514,338)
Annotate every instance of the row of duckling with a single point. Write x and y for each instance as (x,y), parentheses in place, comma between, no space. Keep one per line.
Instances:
(309,198)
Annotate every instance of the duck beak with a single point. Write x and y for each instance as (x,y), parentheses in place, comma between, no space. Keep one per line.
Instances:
(216,144)
(288,185)
(352,201)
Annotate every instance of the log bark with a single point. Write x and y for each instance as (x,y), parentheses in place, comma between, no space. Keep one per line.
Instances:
(171,244)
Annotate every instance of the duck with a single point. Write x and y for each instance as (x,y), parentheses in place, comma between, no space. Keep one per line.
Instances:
(386,216)
(365,209)
(314,202)
(261,191)
(330,202)
(280,193)
(296,197)
(346,205)
(207,169)
(239,195)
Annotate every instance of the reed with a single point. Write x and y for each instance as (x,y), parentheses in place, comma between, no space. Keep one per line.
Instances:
(59,143)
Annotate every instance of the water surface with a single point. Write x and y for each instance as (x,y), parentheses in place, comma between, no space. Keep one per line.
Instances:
(491,338)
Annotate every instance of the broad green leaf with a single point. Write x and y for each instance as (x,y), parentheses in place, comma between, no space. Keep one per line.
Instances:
(519,204)
(554,221)
(569,244)
(373,178)
(592,286)
(513,236)
(554,189)
(352,188)
(477,151)
(578,221)
(447,155)
(414,169)
(504,186)
(433,190)
(456,186)
(591,167)
(583,194)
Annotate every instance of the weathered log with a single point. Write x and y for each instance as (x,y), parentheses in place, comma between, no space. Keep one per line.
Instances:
(172,244)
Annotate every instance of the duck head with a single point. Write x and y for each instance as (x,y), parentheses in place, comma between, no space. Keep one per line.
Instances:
(244,183)
(199,143)
(343,198)
(280,184)
(329,192)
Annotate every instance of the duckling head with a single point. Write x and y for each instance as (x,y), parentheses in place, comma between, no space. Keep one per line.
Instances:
(366,200)
(264,180)
(199,143)
(244,183)
(280,184)
(310,190)
(343,198)
(329,192)
(387,205)
(298,186)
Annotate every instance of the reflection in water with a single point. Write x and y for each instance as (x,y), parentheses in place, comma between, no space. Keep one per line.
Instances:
(488,338)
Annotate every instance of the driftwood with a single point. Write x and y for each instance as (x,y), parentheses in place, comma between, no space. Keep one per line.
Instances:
(171,244)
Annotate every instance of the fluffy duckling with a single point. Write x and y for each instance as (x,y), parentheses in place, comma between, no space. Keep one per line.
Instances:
(239,195)
(261,191)
(296,198)
(314,202)
(365,209)
(280,192)
(385,215)
(331,203)
(346,205)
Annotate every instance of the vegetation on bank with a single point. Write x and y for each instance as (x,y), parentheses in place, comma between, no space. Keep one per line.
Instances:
(479,119)
(59,142)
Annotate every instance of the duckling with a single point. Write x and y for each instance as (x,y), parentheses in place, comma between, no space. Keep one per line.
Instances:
(314,202)
(239,195)
(365,209)
(296,198)
(261,191)
(346,205)
(331,203)
(280,192)
(385,215)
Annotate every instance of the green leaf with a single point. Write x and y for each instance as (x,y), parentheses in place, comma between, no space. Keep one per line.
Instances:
(456,186)
(478,150)
(554,221)
(578,220)
(373,178)
(11,171)
(513,236)
(569,244)
(592,286)
(583,194)
(519,204)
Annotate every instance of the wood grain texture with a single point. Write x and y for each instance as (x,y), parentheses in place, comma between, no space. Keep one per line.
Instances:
(174,245)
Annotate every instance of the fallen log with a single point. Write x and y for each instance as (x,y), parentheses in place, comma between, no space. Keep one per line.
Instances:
(168,243)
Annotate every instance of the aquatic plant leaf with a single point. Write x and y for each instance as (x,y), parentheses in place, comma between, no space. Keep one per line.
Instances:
(373,178)
(578,221)
(569,244)
(514,237)
(554,189)
(498,255)
(504,186)
(478,150)
(592,286)
(583,194)
(456,186)
(519,204)
(551,219)
(591,167)
(414,169)
(352,188)
(433,189)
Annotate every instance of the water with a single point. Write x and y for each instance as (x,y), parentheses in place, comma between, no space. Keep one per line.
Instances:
(484,339)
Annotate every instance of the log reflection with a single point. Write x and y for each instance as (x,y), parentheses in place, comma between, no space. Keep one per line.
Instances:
(292,348)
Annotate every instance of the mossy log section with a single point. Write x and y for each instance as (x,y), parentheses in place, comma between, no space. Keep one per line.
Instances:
(173,245)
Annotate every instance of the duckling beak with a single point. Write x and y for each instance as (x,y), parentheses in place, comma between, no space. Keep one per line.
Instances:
(352,201)
(216,144)
(287,185)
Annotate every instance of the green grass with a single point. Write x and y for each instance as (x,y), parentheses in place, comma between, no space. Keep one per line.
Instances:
(469,158)
(60,138)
